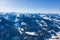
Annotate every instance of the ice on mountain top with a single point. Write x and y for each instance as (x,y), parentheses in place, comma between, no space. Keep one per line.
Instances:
(23,23)
(31,33)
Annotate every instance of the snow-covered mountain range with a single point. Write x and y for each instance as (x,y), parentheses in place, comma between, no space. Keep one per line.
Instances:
(20,26)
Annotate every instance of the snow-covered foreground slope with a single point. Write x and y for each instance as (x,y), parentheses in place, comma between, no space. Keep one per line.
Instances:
(15,26)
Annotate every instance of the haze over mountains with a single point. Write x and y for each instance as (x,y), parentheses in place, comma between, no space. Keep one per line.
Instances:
(28,6)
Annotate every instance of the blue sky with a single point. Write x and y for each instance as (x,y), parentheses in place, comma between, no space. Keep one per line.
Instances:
(41,6)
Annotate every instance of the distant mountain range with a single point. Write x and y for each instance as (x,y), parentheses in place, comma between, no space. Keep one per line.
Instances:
(20,26)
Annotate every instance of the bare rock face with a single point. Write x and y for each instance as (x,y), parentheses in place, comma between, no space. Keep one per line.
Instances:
(15,26)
